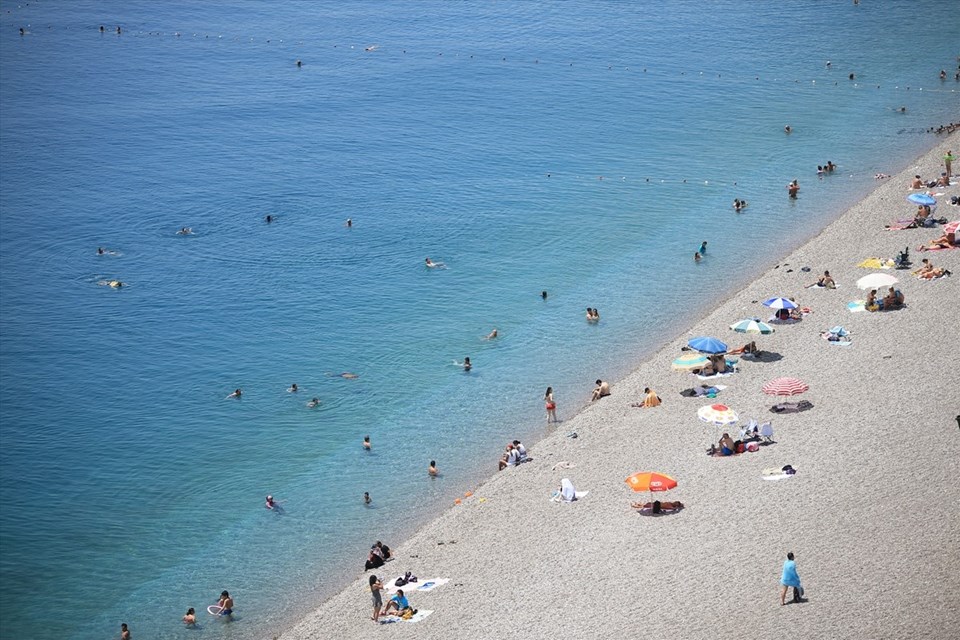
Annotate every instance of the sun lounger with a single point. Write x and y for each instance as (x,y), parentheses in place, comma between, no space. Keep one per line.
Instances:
(766,432)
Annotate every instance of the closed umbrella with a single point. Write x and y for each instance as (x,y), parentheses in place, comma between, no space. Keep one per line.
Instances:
(785,387)
(689,362)
(779,303)
(752,325)
(876,281)
(922,198)
(718,414)
(706,344)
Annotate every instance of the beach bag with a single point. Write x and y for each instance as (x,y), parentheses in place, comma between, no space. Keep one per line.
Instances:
(753,447)
(407,614)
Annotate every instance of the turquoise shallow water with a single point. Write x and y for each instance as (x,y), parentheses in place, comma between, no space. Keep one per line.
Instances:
(475,134)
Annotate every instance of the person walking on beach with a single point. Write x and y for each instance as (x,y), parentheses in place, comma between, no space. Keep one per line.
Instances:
(375,587)
(550,405)
(948,163)
(790,578)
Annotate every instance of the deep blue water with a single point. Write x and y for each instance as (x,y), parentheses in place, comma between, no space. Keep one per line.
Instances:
(473,133)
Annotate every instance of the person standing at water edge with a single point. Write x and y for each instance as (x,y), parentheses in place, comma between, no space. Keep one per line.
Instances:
(790,578)
(550,405)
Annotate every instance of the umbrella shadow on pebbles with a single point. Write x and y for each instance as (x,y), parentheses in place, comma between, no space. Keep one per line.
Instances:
(765,356)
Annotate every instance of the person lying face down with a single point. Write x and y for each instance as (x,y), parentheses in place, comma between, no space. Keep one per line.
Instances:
(657,507)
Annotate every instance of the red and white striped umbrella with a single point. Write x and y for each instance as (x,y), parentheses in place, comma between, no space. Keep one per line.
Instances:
(785,387)
(951,227)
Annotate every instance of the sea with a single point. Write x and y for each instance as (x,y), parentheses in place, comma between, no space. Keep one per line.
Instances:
(584,149)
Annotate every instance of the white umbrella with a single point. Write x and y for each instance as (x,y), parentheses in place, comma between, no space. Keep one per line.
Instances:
(876,281)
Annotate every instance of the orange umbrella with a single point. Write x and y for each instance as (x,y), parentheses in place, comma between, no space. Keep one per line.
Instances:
(650,481)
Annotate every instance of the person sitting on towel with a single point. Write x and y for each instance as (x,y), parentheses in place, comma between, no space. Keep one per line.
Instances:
(400,603)
(727,447)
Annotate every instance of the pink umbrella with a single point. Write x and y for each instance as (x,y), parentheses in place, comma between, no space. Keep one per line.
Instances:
(951,227)
(785,387)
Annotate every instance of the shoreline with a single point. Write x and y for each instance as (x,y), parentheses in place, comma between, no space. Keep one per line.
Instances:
(482,566)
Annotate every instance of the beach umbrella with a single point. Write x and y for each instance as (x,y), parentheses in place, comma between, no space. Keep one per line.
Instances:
(876,263)
(706,344)
(779,303)
(752,325)
(951,227)
(785,387)
(689,362)
(922,198)
(718,414)
(876,281)
(650,481)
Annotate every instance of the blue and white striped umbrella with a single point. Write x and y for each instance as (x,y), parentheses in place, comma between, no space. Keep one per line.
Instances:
(752,325)
(779,303)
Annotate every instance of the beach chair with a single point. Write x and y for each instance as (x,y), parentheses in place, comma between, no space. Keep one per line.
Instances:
(748,430)
(766,432)
(902,261)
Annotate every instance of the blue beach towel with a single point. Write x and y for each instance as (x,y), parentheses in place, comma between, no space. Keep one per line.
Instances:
(790,578)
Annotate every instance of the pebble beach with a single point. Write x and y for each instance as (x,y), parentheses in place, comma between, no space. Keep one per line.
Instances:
(871,513)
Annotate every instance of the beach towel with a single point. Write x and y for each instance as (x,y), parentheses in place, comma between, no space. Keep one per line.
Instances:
(856,306)
(790,577)
(792,407)
(900,225)
(877,263)
(432,583)
(925,248)
(716,375)
(775,473)
(820,286)
(417,617)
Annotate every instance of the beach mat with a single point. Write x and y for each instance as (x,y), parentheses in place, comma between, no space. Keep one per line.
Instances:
(856,306)
(417,617)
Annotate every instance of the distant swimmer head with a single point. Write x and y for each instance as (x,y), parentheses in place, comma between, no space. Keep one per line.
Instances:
(299,63)
(101,28)
(349,222)
(100,251)
(851,76)
(788,128)
(543,294)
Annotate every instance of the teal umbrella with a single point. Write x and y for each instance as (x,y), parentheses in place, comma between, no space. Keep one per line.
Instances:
(752,325)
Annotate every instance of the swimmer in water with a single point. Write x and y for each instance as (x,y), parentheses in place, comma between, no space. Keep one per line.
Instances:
(366,443)
(432,469)
(185,231)
(788,129)
(271,503)
(190,618)
(465,364)
(314,402)
(543,294)
(793,189)
(697,257)
(490,336)
(237,393)
(349,222)
(299,63)
(349,376)
(115,284)
(293,388)
(435,265)
(366,497)
(226,604)
(268,219)
(703,248)
(372,47)
(100,251)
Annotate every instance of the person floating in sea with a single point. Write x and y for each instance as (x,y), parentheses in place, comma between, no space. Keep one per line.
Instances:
(492,335)
(432,470)
(185,231)
(366,497)
(543,294)
(313,403)
(293,388)
(366,443)
(697,257)
(190,618)
(268,219)
(273,505)
(788,129)
(466,364)
(434,265)
(349,222)
(115,284)
(237,393)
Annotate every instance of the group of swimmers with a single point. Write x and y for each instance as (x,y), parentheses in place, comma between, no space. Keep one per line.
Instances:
(701,252)
(827,168)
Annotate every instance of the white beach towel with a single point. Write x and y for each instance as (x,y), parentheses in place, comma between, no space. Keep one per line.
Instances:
(715,376)
(417,617)
(432,583)
(775,473)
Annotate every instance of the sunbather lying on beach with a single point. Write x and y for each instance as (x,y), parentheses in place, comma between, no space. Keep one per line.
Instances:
(656,506)
(929,272)
(946,241)
(750,347)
